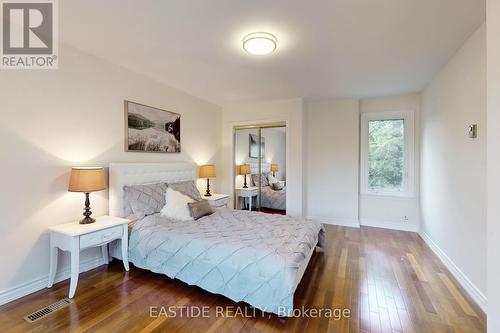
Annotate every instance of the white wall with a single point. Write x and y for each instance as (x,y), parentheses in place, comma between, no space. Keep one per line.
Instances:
(241,143)
(55,119)
(493,115)
(453,167)
(331,153)
(387,211)
(245,113)
(276,149)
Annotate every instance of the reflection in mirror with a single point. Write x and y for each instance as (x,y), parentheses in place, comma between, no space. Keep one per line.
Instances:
(246,157)
(260,169)
(273,170)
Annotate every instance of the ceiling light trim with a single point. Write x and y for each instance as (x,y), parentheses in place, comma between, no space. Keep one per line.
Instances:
(262,36)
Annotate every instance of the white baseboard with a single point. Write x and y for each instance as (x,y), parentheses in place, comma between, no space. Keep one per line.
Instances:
(30,287)
(464,281)
(335,221)
(389,225)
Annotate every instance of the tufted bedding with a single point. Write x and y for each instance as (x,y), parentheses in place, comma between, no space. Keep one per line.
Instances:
(273,199)
(246,256)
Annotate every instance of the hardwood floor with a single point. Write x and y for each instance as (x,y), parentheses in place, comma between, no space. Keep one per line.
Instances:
(390,280)
(272,211)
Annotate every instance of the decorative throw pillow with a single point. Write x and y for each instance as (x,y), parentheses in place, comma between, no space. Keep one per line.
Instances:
(277,186)
(256,180)
(265,179)
(187,188)
(146,199)
(176,207)
(199,209)
(271,179)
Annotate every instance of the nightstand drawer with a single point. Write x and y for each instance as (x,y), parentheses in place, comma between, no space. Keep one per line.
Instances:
(247,192)
(219,202)
(100,237)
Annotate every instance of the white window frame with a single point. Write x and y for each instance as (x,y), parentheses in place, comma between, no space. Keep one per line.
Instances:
(409,153)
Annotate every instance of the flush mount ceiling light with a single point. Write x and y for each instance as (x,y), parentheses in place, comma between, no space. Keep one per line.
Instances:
(260,43)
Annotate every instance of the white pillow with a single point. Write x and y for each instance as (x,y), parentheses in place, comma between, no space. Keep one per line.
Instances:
(176,207)
(271,179)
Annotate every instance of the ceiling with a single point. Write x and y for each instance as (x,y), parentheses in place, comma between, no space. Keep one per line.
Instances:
(326,48)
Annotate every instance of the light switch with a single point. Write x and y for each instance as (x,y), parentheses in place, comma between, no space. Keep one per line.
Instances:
(473,131)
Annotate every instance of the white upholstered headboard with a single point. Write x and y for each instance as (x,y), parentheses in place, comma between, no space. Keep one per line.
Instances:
(254,167)
(122,174)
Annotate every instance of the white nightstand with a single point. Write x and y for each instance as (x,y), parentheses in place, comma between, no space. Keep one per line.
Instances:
(217,200)
(74,237)
(244,193)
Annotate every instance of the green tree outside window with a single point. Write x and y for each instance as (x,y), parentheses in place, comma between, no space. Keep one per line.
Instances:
(386,155)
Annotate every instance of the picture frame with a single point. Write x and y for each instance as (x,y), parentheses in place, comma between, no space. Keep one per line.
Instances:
(150,129)
(253,149)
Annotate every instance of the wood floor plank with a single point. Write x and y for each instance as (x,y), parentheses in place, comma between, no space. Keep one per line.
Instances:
(416,267)
(342,263)
(457,295)
(390,281)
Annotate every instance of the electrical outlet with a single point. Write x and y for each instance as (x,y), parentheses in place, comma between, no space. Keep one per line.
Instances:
(405,219)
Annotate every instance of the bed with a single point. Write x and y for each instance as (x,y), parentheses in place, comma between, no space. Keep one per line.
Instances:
(273,199)
(246,256)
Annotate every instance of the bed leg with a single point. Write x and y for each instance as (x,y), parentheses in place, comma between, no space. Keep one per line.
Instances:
(318,249)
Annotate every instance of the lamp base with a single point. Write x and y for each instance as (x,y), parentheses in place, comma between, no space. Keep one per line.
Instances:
(207,194)
(245,183)
(87,220)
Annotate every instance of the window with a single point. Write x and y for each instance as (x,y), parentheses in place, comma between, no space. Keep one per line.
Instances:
(387,153)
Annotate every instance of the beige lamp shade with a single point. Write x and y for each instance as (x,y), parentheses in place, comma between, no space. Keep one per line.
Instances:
(245,169)
(86,179)
(207,171)
(274,167)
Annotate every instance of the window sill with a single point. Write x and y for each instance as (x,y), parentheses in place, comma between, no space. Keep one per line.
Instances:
(404,195)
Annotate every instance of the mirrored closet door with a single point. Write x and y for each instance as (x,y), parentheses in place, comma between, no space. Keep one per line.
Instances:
(260,168)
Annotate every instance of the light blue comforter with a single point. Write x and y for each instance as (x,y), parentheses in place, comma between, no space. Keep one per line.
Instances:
(245,256)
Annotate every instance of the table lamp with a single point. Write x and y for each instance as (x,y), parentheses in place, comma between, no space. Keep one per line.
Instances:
(274,169)
(86,180)
(245,170)
(207,171)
